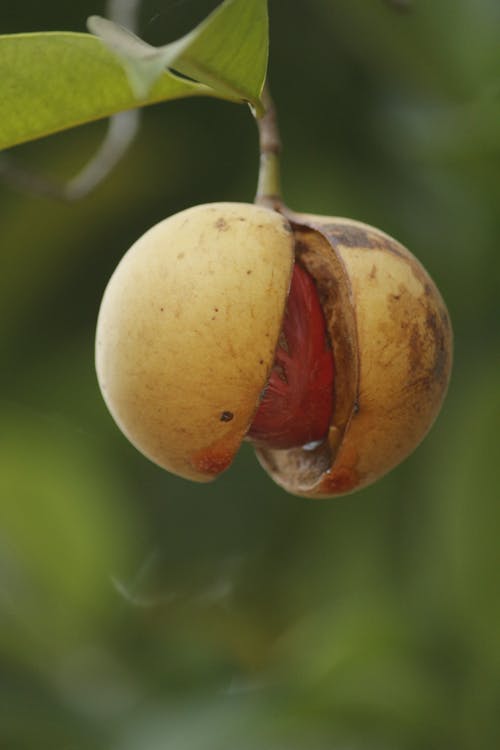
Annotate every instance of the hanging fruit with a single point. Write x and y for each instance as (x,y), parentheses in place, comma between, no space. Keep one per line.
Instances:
(323,341)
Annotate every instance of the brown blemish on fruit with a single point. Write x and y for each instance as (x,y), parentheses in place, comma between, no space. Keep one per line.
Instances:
(221,224)
(343,477)
(340,480)
(226,416)
(441,363)
(441,355)
(352,235)
(426,342)
(415,351)
(212,460)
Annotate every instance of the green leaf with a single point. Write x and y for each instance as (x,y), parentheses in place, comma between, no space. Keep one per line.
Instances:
(233,64)
(228,51)
(52,81)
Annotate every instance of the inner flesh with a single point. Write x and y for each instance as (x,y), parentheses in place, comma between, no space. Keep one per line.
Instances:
(297,402)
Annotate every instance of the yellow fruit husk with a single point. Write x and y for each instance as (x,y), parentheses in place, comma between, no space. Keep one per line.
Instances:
(392,345)
(187,332)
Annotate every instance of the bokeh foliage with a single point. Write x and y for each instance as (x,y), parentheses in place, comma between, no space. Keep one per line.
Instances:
(140,612)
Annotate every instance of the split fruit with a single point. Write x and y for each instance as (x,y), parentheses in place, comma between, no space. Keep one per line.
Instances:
(323,341)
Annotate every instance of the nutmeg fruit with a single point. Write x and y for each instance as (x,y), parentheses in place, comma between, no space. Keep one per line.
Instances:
(321,340)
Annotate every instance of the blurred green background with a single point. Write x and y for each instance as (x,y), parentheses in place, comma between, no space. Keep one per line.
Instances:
(141,612)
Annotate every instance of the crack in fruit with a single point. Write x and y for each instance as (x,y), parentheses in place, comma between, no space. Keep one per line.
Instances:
(297,403)
(347,328)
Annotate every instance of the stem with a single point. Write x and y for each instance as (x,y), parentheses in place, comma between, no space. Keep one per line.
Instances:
(268,186)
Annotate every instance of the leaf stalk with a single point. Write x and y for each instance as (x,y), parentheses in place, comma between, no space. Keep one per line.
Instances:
(269,182)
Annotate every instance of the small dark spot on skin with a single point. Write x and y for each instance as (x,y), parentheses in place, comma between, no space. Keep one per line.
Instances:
(248,273)
(226,416)
(162,309)
(180,256)
(373,272)
(241,218)
(261,361)
(355,408)
(221,224)
(216,309)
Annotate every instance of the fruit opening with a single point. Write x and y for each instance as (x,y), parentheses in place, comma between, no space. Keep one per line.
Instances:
(297,403)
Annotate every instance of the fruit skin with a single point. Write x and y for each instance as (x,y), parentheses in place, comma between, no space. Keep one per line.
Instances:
(190,322)
(187,331)
(392,344)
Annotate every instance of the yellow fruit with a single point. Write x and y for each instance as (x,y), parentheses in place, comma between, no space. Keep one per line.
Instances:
(202,342)
(187,331)
(392,346)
